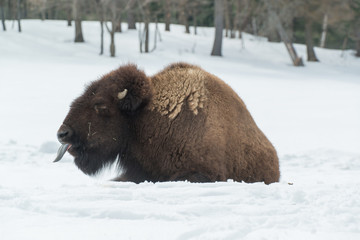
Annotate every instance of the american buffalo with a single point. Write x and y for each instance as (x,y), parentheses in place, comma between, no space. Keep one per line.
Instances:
(183,123)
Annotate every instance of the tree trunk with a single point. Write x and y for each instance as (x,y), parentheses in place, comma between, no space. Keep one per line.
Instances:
(10,11)
(68,13)
(324,31)
(195,24)
(227,17)
(141,37)
(18,15)
(78,29)
(309,42)
(184,15)
(101,37)
(131,15)
(167,10)
(254,25)
(219,26)
(273,17)
(25,9)
(118,27)
(112,37)
(146,35)
(131,19)
(112,43)
(155,35)
(236,19)
(187,26)
(2,14)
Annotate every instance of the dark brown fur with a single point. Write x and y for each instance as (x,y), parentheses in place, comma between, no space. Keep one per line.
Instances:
(180,124)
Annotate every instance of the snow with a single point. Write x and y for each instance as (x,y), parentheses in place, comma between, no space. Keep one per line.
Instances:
(311,114)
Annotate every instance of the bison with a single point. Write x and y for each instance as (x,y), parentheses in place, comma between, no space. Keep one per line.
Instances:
(183,123)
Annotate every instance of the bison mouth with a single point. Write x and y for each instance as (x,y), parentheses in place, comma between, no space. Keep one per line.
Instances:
(89,156)
(67,147)
(87,160)
(62,150)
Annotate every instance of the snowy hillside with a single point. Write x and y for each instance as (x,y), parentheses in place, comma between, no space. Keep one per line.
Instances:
(310,114)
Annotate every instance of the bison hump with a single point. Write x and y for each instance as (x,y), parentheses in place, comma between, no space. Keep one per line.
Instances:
(178,86)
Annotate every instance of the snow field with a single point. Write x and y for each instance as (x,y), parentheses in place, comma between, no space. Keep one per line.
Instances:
(310,114)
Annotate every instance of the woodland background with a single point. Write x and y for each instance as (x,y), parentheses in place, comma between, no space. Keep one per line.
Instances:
(324,23)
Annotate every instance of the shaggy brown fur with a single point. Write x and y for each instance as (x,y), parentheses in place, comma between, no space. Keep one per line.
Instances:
(180,124)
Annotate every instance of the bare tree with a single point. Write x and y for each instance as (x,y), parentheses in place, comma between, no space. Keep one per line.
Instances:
(25,9)
(2,12)
(331,12)
(237,14)
(42,8)
(219,26)
(147,12)
(324,30)
(184,14)
(118,26)
(131,15)
(114,8)
(77,8)
(115,18)
(146,18)
(356,35)
(275,20)
(245,12)
(99,7)
(48,9)
(311,56)
(236,19)
(68,15)
(194,9)
(309,10)
(18,15)
(227,14)
(167,13)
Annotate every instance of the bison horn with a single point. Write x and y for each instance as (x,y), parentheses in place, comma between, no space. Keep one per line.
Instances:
(122,94)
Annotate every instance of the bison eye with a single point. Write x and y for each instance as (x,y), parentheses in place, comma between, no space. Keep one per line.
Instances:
(101,109)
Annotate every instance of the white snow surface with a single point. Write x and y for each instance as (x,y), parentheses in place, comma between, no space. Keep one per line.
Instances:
(311,114)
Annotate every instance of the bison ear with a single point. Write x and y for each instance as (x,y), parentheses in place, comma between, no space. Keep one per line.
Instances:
(134,88)
(130,102)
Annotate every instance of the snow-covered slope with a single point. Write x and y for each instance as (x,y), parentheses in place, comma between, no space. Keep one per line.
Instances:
(311,115)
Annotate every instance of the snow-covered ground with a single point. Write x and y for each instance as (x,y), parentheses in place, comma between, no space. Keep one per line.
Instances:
(311,114)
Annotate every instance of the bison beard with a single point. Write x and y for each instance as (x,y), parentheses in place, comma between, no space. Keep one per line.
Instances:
(180,124)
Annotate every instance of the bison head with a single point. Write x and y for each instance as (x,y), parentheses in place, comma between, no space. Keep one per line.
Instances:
(97,127)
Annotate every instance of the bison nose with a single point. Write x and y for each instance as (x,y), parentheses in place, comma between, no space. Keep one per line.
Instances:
(64,133)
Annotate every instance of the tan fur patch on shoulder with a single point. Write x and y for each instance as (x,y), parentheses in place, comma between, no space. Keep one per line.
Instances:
(175,87)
